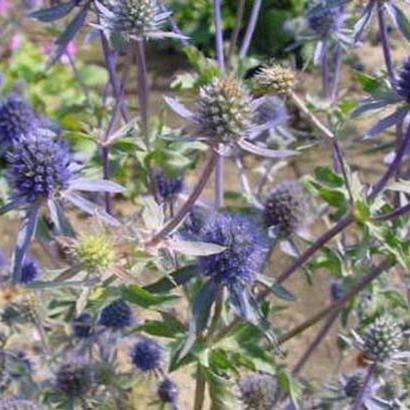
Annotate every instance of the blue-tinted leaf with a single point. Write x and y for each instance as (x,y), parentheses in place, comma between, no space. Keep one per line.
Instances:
(204,299)
(370,105)
(401,20)
(61,223)
(364,20)
(53,13)
(277,289)
(90,208)
(240,299)
(387,122)
(10,206)
(24,237)
(97,185)
(193,248)
(67,36)
(265,152)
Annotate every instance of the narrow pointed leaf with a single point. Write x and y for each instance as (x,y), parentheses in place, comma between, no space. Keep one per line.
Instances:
(97,185)
(24,238)
(53,13)
(141,297)
(265,152)
(173,280)
(180,109)
(402,22)
(387,122)
(61,223)
(195,248)
(277,289)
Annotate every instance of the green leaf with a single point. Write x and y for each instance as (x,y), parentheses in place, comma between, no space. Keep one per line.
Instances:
(276,288)
(327,176)
(141,297)
(172,280)
(170,329)
(401,185)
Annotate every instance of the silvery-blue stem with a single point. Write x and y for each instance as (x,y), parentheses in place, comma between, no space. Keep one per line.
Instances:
(219,170)
(325,70)
(385,42)
(337,73)
(235,33)
(315,343)
(251,28)
(359,399)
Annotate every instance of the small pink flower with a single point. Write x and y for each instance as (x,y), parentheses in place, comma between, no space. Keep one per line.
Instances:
(4,6)
(15,42)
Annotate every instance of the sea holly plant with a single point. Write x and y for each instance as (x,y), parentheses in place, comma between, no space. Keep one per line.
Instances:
(153,259)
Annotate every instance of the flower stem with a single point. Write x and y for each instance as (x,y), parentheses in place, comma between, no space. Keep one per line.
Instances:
(199,389)
(187,206)
(325,71)
(385,42)
(337,305)
(235,33)
(337,73)
(315,343)
(219,170)
(251,28)
(359,399)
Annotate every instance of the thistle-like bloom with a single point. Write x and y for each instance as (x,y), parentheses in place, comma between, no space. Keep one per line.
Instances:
(94,253)
(117,315)
(147,355)
(275,79)
(30,271)
(323,18)
(227,114)
(382,341)
(133,19)
(258,391)
(168,187)
(17,119)
(403,81)
(73,379)
(18,404)
(82,326)
(167,391)
(40,172)
(38,169)
(285,210)
(243,256)
(349,386)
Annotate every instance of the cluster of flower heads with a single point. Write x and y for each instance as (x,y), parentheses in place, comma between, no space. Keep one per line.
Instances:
(244,253)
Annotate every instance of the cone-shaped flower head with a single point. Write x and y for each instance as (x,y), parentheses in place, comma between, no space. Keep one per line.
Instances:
(17,119)
(244,251)
(38,168)
(136,18)
(258,391)
(403,82)
(382,339)
(285,209)
(323,18)
(167,391)
(275,79)
(82,325)
(73,379)
(95,253)
(147,355)
(224,110)
(116,315)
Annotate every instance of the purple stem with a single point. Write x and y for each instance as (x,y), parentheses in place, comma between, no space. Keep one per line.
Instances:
(251,28)
(237,29)
(219,170)
(325,71)
(397,213)
(316,342)
(174,26)
(359,399)
(385,42)
(336,76)
(190,202)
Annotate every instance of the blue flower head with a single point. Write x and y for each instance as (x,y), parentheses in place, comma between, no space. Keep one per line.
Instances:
(38,168)
(147,355)
(168,391)
(17,119)
(29,271)
(82,325)
(324,19)
(244,252)
(403,82)
(168,187)
(116,315)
